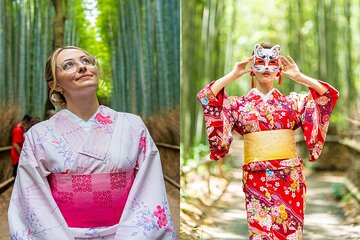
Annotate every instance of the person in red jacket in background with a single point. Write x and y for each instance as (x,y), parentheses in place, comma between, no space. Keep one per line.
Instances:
(18,141)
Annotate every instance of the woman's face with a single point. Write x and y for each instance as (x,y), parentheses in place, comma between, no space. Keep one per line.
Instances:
(266,63)
(83,80)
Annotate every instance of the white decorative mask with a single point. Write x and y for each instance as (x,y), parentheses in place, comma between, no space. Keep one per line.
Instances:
(266,59)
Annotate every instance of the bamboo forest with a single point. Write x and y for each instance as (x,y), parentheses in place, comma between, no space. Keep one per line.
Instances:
(137,45)
(322,36)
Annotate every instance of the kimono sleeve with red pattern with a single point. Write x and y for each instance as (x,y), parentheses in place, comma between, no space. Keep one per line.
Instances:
(220,114)
(315,111)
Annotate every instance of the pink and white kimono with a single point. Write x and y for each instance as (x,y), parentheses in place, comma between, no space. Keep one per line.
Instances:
(100,179)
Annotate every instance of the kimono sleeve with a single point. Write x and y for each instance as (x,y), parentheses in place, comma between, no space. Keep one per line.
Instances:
(314,112)
(220,113)
(146,214)
(33,213)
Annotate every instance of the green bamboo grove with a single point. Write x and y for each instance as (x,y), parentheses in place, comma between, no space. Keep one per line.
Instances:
(136,42)
(25,42)
(143,38)
(321,36)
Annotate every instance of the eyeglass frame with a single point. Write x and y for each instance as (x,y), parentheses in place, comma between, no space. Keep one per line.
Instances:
(77,62)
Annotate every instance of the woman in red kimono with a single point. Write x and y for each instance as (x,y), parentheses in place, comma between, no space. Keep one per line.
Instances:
(274,184)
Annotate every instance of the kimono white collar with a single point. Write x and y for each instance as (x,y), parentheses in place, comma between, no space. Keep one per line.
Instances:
(266,96)
(85,124)
(94,143)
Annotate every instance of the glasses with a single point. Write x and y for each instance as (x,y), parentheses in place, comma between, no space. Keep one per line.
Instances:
(72,65)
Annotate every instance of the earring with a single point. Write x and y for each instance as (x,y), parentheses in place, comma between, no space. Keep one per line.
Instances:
(279,76)
(252,79)
(61,90)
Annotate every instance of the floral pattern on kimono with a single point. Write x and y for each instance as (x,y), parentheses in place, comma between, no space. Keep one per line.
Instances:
(275,189)
(115,142)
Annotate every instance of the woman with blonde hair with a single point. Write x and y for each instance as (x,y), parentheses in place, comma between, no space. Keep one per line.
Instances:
(88,172)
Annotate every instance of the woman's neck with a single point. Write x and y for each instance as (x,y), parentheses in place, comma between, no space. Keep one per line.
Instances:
(264,88)
(84,107)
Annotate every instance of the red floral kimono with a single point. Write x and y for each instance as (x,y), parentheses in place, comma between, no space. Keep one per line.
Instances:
(274,189)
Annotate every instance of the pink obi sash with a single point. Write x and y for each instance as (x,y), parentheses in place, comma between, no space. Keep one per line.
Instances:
(91,200)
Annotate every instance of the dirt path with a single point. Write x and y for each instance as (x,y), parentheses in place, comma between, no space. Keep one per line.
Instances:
(4,204)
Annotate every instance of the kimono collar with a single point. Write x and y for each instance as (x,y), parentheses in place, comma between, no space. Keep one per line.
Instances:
(273,93)
(92,143)
(85,124)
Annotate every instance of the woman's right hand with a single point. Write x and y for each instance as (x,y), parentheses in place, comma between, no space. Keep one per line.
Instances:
(240,68)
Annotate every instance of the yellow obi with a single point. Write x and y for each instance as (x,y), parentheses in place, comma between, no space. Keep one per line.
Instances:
(269,145)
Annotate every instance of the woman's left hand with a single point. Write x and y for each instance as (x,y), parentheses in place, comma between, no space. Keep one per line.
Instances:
(290,69)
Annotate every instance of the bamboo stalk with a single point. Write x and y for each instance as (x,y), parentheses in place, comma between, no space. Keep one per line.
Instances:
(2,53)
